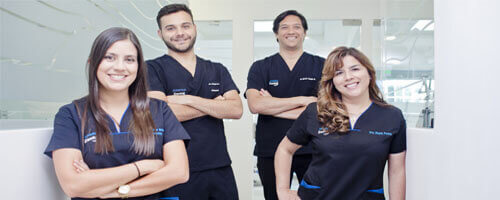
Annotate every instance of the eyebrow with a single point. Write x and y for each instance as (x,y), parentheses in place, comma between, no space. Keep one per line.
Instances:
(291,24)
(114,54)
(183,23)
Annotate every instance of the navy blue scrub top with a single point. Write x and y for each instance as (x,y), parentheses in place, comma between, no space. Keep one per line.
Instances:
(67,134)
(349,166)
(207,148)
(272,74)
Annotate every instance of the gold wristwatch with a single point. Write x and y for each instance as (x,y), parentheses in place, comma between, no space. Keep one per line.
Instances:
(123,191)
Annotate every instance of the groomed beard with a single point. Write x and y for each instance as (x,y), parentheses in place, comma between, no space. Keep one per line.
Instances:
(171,47)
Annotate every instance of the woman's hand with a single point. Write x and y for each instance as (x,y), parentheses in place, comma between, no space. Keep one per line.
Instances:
(287,194)
(149,166)
(80,166)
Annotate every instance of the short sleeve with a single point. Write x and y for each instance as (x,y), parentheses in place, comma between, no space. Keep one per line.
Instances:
(298,133)
(173,128)
(66,133)
(227,82)
(154,77)
(255,79)
(398,143)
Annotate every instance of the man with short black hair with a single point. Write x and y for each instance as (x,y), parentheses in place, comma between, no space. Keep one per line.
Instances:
(279,88)
(200,93)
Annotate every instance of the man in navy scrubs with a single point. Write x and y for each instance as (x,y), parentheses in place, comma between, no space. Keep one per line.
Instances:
(279,88)
(201,93)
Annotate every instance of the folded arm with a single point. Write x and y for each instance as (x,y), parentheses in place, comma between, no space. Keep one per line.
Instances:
(182,112)
(175,171)
(228,106)
(262,102)
(96,182)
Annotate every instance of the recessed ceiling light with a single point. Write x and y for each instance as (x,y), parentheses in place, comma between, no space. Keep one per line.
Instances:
(430,27)
(390,37)
(393,62)
(263,26)
(420,24)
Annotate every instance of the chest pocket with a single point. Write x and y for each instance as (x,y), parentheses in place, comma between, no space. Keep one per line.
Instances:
(310,83)
(214,88)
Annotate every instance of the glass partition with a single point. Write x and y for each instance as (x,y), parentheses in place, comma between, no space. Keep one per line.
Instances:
(406,71)
(322,36)
(45,45)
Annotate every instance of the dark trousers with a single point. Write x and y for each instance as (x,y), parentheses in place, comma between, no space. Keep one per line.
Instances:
(212,184)
(265,166)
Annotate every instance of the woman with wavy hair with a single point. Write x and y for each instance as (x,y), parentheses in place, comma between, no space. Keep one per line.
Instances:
(353,131)
(116,142)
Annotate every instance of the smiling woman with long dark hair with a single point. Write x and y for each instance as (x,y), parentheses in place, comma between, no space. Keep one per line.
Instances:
(353,131)
(116,142)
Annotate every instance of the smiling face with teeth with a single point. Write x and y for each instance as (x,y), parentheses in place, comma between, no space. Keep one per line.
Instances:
(118,68)
(352,80)
(291,33)
(178,31)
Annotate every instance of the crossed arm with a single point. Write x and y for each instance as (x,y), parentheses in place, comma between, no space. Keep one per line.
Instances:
(187,107)
(262,102)
(77,180)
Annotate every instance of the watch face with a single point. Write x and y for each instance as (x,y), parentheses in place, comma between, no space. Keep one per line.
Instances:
(124,189)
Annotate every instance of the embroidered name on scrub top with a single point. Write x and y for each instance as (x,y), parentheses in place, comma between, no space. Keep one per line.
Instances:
(307,79)
(91,137)
(379,133)
(179,91)
(214,89)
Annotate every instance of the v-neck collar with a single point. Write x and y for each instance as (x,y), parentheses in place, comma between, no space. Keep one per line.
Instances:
(119,125)
(282,60)
(193,83)
(353,126)
(196,68)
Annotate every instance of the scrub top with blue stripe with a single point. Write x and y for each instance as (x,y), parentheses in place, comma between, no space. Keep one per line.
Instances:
(207,148)
(349,166)
(67,134)
(272,74)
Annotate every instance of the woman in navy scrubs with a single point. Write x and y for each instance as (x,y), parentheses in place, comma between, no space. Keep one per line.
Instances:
(115,142)
(353,132)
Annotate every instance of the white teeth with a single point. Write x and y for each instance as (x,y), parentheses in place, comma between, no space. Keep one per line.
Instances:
(352,85)
(117,76)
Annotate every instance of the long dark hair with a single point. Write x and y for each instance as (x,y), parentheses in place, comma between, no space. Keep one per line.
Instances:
(142,124)
(332,113)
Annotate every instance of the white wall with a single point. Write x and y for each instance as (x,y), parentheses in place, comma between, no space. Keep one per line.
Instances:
(26,173)
(460,160)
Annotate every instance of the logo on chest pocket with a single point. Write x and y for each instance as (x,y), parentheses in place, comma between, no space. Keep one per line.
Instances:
(89,138)
(181,91)
(274,82)
(323,131)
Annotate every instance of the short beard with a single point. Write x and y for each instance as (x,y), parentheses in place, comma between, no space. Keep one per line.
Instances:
(177,50)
